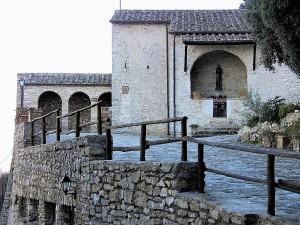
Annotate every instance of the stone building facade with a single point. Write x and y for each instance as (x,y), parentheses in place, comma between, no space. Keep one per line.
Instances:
(164,65)
(42,93)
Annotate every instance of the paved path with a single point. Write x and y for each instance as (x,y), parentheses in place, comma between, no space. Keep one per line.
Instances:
(229,193)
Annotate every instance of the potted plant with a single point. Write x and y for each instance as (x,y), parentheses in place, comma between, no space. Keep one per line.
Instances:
(194,128)
(196,95)
(283,140)
(268,138)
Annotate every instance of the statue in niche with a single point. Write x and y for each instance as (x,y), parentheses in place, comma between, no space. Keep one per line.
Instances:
(219,78)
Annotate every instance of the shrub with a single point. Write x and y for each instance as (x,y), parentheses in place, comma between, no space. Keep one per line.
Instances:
(284,109)
(259,111)
(194,125)
(270,110)
(293,130)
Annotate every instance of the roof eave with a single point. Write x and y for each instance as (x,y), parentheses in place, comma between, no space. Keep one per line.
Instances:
(210,32)
(219,42)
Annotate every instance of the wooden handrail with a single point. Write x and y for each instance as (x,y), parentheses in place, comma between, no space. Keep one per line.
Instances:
(246,148)
(271,153)
(177,119)
(58,117)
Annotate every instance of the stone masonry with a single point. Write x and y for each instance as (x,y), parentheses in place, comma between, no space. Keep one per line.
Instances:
(107,192)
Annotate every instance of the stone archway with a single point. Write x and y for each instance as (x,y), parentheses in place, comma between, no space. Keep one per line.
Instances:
(105,106)
(77,101)
(106,99)
(234,75)
(48,102)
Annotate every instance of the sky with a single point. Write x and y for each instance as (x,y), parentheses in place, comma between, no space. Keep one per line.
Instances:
(66,36)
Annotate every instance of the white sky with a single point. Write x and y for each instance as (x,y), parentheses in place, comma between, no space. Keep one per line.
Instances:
(68,36)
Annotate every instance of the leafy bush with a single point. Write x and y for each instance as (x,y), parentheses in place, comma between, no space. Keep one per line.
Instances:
(270,110)
(252,121)
(293,130)
(253,105)
(285,109)
(259,111)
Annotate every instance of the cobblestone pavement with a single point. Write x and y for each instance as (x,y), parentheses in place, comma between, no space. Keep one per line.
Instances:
(229,193)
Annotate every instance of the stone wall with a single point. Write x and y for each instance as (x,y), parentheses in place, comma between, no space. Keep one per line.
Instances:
(139,192)
(107,192)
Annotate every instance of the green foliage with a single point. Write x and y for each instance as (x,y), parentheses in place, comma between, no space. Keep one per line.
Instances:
(293,130)
(270,110)
(194,125)
(253,105)
(284,109)
(252,121)
(244,5)
(276,29)
(259,111)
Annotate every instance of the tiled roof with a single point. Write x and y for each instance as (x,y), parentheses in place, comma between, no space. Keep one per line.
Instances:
(142,16)
(217,38)
(188,21)
(66,78)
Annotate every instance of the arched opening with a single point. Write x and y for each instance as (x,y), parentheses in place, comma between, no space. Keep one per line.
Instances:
(48,102)
(219,75)
(77,101)
(105,106)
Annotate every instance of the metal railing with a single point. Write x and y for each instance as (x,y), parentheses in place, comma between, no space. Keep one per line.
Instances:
(78,126)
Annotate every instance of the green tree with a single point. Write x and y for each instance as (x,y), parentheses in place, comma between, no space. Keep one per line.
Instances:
(244,5)
(276,29)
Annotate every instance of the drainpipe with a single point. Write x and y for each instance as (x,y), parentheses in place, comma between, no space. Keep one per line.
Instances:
(254,56)
(168,80)
(174,91)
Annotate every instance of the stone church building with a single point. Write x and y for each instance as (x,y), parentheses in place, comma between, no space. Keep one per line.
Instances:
(195,63)
(165,63)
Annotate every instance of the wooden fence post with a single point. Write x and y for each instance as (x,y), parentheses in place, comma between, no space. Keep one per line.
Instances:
(143,143)
(271,184)
(109,145)
(99,119)
(201,168)
(43,130)
(77,123)
(183,142)
(58,129)
(31,134)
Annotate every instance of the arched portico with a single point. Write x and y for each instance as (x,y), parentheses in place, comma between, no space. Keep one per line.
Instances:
(77,101)
(48,102)
(105,104)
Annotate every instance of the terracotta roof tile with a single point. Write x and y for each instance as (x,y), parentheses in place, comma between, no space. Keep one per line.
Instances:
(217,38)
(188,21)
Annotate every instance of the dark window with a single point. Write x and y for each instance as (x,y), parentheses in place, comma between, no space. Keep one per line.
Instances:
(220,108)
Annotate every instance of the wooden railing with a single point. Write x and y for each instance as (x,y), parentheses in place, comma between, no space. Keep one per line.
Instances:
(288,185)
(144,144)
(78,127)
